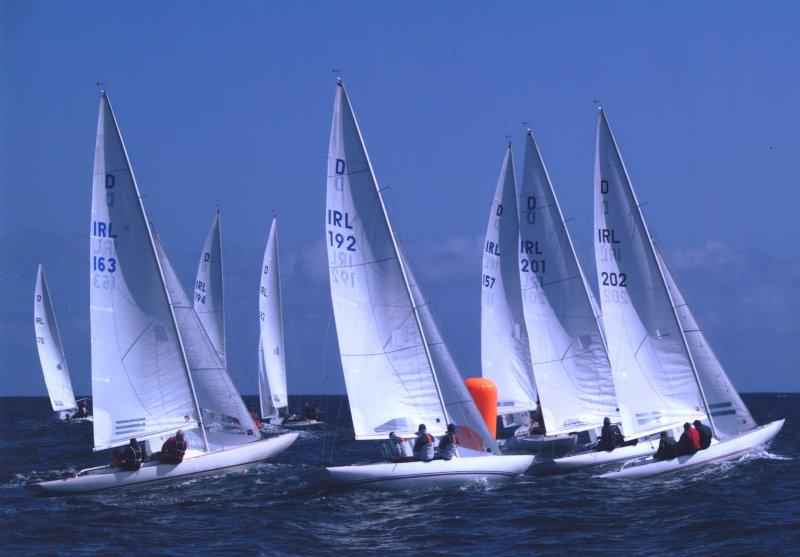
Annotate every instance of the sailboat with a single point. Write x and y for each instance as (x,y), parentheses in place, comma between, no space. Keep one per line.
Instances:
(209,292)
(51,352)
(397,369)
(154,368)
(272,392)
(665,373)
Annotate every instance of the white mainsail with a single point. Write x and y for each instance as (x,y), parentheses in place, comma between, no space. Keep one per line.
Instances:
(225,417)
(141,385)
(209,303)
(388,370)
(51,352)
(272,361)
(653,373)
(727,408)
(570,363)
(505,353)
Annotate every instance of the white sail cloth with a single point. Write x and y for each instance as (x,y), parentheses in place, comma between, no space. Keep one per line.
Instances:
(570,363)
(272,364)
(653,374)
(728,411)
(209,303)
(140,380)
(505,353)
(51,351)
(388,374)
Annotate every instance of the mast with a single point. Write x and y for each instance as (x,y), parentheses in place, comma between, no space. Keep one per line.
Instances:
(340,83)
(661,275)
(160,273)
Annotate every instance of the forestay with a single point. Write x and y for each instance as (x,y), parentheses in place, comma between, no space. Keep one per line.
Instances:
(570,363)
(505,353)
(140,381)
(728,411)
(208,289)
(51,352)
(225,417)
(388,373)
(655,383)
(271,326)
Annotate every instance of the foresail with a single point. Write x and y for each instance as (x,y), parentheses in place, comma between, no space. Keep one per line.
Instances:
(140,382)
(208,290)
(225,417)
(271,322)
(655,383)
(570,363)
(388,375)
(51,352)
(728,411)
(505,353)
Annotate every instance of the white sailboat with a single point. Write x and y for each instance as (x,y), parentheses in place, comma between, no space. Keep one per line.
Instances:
(154,369)
(654,343)
(397,369)
(51,351)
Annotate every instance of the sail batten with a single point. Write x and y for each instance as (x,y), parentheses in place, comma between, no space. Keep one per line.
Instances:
(272,363)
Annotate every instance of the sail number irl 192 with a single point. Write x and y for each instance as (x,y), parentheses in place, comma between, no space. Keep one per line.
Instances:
(343,239)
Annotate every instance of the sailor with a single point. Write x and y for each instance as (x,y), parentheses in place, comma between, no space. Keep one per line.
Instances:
(254,415)
(173,449)
(667,448)
(310,412)
(423,446)
(704,432)
(399,448)
(130,458)
(448,445)
(81,412)
(610,436)
(689,443)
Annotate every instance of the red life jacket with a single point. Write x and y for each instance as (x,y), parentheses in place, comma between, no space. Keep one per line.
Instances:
(694,435)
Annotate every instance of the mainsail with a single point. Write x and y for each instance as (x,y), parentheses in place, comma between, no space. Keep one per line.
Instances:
(51,352)
(391,384)
(570,363)
(272,362)
(505,353)
(653,373)
(208,290)
(728,411)
(141,385)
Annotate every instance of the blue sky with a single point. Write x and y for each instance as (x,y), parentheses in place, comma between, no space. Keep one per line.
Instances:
(230,105)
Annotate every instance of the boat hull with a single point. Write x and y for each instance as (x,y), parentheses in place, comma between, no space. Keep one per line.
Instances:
(583,461)
(434,474)
(728,449)
(550,446)
(108,477)
(303,424)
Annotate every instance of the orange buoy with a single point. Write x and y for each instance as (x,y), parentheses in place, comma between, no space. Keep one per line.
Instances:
(484,393)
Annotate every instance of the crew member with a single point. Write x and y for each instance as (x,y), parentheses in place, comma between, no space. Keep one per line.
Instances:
(399,448)
(448,445)
(254,415)
(689,443)
(310,412)
(173,449)
(667,448)
(423,446)
(705,434)
(130,458)
(610,436)
(81,412)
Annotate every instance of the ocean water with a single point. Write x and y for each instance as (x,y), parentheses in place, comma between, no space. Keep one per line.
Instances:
(280,507)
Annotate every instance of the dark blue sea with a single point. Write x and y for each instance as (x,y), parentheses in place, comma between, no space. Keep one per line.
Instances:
(747,507)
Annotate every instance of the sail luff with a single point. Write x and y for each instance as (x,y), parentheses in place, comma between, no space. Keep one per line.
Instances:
(663,283)
(154,254)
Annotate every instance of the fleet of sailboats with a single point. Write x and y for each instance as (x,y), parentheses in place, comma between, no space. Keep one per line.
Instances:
(638,357)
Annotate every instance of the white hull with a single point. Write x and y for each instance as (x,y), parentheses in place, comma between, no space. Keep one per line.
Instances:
(573,463)
(555,444)
(434,474)
(107,477)
(728,449)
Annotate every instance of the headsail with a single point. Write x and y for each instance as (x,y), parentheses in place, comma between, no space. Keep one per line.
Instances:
(388,372)
(728,411)
(140,379)
(570,363)
(51,352)
(271,325)
(264,396)
(653,374)
(505,353)
(208,289)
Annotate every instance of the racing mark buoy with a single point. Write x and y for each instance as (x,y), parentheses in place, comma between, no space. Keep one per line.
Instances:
(484,393)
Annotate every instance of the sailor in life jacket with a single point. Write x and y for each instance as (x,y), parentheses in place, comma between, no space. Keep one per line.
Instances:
(173,449)
(423,446)
(448,445)
(399,448)
(130,458)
